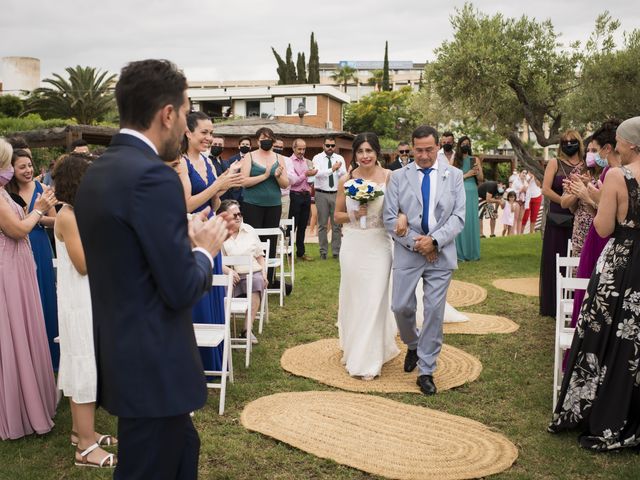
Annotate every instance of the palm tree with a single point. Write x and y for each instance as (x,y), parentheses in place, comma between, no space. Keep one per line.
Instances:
(85,96)
(376,79)
(345,74)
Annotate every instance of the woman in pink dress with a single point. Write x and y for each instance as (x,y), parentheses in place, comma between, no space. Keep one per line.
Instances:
(27,385)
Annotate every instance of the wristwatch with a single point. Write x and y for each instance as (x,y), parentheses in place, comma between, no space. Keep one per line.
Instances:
(435,242)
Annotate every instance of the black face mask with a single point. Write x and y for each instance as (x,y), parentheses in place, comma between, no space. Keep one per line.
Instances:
(266,144)
(466,149)
(215,151)
(570,148)
(447,147)
(244,149)
(278,150)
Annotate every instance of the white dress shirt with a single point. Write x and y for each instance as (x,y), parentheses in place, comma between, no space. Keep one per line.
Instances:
(433,178)
(321,163)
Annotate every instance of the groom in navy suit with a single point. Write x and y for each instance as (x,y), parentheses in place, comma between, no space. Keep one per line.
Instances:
(147,267)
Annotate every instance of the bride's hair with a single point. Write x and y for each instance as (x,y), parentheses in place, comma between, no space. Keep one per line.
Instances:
(369,137)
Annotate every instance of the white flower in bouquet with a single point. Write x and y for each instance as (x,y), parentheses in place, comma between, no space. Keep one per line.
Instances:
(362,191)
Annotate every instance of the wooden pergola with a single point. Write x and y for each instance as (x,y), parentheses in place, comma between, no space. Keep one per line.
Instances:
(65,136)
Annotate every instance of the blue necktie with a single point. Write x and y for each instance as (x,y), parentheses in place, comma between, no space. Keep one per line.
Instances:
(426,190)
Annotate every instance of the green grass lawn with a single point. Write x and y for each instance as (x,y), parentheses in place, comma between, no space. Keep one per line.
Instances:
(512,395)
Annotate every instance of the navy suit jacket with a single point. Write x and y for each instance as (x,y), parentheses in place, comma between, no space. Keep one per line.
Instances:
(144,279)
(397,164)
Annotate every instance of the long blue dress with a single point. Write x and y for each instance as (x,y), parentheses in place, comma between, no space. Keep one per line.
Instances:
(210,309)
(468,241)
(43,256)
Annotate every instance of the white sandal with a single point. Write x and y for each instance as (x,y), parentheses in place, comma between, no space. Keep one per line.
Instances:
(109,461)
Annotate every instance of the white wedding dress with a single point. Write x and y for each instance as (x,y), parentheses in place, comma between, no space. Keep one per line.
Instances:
(366,325)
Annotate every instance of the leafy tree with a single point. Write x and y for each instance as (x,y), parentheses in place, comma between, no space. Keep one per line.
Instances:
(610,78)
(386,85)
(314,61)
(376,79)
(344,75)
(388,114)
(301,66)
(11,106)
(503,70)
(85,96)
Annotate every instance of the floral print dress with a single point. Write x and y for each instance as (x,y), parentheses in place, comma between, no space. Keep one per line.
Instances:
(601,388)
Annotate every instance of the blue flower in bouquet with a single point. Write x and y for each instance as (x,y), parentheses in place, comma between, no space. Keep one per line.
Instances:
(362,190)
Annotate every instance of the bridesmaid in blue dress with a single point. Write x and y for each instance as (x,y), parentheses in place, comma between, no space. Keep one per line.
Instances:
(202,190)
(468,242)
(24,184)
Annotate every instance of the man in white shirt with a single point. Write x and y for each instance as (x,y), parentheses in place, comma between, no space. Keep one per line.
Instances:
(447,145)
(330,167)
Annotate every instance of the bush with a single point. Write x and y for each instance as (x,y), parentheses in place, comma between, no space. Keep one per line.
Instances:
(9,126)
(10,106)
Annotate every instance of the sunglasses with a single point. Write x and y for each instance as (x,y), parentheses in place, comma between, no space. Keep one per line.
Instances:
(237,216)
(404,151)
(332,145)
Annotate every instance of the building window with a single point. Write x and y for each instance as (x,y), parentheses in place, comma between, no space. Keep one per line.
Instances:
(292,104)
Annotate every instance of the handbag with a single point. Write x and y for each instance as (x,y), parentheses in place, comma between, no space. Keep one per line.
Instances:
(557,219)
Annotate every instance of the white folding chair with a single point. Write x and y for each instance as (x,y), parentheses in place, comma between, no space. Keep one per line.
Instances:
(263,315)
(242,305)
(212,335)
(565,288)
(289,250)
(277,262)
(565,267)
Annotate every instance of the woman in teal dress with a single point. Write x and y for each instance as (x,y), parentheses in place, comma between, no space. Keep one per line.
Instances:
(468,242)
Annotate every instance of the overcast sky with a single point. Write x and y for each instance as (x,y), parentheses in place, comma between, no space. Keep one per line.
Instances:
(231,40)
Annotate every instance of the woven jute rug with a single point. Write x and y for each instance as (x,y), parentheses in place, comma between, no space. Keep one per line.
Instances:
(524,286)
(321,361)
(480,324)
(464,294)
(381,436)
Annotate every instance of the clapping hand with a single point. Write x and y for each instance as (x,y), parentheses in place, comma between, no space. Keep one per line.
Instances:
(209,234)
(279,171)
(46,200)
(336,166)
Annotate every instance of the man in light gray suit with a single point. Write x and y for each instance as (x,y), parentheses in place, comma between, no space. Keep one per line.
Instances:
(431,194)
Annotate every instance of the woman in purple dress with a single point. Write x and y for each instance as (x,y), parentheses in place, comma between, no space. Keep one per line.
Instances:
(604,154)
(203,189)
(559,223)
(27,385)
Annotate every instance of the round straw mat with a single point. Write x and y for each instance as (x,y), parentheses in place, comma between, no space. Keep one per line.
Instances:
(464,294)
(321,361)
(480,324)
(524,286)
(381,436)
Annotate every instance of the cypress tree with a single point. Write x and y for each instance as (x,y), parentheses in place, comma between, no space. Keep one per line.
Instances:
(302,68)
(314,61)
(282,68)
(291,68)
(386,86)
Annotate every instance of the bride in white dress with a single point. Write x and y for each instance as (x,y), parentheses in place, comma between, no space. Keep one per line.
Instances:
(366,325)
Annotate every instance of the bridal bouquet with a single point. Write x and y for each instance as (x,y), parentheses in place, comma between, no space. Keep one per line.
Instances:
(362,191)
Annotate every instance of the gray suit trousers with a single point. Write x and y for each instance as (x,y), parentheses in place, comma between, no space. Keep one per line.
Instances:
(428,340)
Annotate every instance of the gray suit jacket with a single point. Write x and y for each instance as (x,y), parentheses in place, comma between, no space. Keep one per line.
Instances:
(403,194)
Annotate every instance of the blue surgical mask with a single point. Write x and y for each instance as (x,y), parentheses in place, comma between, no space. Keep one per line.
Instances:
(601,162)
(500,190)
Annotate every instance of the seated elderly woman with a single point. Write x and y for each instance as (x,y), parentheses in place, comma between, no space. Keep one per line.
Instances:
(244,241)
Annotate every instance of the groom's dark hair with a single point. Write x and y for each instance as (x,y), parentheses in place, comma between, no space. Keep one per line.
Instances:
(424,131)
(144,88)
